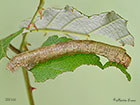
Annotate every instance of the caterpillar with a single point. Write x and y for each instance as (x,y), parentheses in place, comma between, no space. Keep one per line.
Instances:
(29,59)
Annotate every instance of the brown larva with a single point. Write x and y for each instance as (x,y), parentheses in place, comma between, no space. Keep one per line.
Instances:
(29,59)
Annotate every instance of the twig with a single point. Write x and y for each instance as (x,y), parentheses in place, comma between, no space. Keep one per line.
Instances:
(8,57)
(22,49)
(23,43)
(29,90)
(17,51)
(25,73)
(37,12)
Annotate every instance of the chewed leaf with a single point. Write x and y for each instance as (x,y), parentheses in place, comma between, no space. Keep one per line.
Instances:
(53,67)
(54,39)
(71,21)
(53,59)
(4,43)
(119,66)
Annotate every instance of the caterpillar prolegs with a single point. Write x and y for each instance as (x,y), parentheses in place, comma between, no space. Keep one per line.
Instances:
(29,59)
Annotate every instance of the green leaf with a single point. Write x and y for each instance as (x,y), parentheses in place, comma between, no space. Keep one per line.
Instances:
(4,43)
(66,63)
(119,66)
(53,67)
(54,39)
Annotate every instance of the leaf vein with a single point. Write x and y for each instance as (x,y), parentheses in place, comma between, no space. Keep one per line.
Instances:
(104,25)
(53,19)
(71,21)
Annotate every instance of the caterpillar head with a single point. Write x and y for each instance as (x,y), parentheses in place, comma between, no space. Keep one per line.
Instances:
(11,66)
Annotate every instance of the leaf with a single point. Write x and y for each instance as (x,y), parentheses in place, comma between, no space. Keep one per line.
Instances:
(53,67)
(4,43)
(120,66)
(73,22)
(55,39)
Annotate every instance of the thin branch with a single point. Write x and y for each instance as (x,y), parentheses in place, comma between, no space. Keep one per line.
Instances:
(37,11)
(23,48)
(23,43)
(14,49)
(8,57)
(25,73)
(29,88)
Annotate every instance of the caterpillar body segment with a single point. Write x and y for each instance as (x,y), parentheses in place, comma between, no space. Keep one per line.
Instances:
(29,59)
